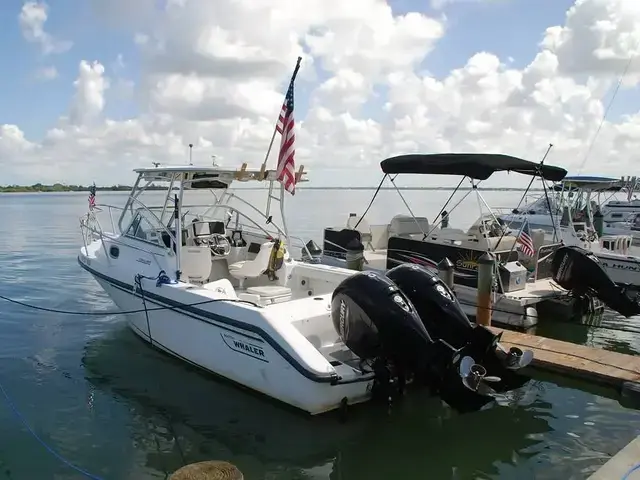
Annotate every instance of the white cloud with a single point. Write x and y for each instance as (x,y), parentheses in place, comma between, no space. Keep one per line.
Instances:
(440,4)
(47,73)
(214,73)
(88,101)
(32,18)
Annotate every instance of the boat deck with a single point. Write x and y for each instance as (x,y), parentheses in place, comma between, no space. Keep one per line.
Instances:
(536,292)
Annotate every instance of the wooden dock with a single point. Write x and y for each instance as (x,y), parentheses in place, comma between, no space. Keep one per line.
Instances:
(611,369)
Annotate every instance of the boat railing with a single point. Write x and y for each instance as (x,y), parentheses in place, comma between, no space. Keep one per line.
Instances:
(91,229)
(90,223)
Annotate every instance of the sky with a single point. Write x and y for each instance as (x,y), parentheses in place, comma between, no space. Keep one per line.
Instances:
(91,89)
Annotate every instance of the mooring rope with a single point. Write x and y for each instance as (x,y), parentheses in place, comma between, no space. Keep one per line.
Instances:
(635,468)
(160,279)
(23,421)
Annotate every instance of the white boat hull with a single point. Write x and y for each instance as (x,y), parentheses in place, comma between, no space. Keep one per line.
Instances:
(620,268)
(206,337)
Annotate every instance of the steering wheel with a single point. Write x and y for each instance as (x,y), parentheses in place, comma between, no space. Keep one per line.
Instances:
(219,244)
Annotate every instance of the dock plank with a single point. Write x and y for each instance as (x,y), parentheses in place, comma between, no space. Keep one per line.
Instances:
(573,360)
(533,293)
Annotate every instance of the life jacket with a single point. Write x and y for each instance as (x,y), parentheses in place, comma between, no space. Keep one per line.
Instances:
(276,259)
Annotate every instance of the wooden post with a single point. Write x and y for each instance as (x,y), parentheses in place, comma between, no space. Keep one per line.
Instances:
(486,268)
(445,272)
(209,470)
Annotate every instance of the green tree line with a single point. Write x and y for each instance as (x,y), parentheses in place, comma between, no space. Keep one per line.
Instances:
(59,187)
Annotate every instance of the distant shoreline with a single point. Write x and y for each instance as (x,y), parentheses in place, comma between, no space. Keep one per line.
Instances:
(59,188)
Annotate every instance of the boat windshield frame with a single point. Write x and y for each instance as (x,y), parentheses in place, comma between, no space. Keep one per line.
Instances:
(218,181)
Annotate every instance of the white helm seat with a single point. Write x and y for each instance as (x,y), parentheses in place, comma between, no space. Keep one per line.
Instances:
(252,268)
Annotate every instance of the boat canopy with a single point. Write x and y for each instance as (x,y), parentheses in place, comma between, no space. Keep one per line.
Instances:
(588,182)
(479,166)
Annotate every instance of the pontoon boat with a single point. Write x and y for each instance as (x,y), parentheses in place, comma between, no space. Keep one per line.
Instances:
(410,239)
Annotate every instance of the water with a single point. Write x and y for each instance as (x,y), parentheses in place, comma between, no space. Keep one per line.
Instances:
(121,410)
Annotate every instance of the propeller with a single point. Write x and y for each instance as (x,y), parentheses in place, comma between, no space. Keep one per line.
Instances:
(514,358)
(517,358)
(474,377)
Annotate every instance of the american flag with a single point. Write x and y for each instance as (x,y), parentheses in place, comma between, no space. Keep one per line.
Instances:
(286,157)
(525,241)
(92,197)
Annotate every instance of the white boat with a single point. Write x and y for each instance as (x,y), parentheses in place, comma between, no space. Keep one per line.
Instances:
(573,216)
(523,285)
(619,217)
(225,295)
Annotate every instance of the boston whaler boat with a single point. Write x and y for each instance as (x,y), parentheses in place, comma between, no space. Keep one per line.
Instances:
(226,296)
(518,292)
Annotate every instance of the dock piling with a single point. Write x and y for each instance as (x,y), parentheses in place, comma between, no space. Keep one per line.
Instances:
(208,470)
(486,269)
(445,272)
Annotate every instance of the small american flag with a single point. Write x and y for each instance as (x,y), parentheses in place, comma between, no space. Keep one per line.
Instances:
(286,157)
(92,197)
(525,241)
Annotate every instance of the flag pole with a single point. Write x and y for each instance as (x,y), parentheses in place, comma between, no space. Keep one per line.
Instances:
(263,169)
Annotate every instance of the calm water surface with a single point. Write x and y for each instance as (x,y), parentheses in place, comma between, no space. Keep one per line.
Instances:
(121,410)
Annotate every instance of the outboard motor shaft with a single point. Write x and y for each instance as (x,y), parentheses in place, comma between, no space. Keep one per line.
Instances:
(579,271)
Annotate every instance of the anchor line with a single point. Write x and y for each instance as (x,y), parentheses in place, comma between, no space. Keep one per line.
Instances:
(14,409)
(163,413)
(138,281)
(627,475)
(127,312)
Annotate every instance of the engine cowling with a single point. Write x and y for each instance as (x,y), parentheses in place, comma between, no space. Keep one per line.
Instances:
(376,320)
(444,319)
(440,311)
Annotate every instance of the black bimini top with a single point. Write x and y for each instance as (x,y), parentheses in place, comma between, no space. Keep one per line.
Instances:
(475,165)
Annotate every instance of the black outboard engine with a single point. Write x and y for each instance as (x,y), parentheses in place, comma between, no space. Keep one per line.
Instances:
(444,319)
(379,323)
(579,271)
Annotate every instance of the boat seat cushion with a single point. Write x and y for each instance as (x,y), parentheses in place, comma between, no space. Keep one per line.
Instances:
(270,294)
(270,291)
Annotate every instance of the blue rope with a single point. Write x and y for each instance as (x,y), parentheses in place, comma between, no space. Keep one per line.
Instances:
(23,421)
(635,468)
